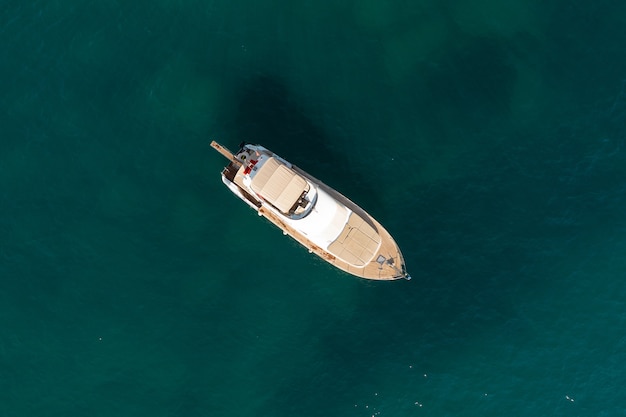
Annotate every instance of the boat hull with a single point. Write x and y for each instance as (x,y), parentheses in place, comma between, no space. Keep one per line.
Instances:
(382,259)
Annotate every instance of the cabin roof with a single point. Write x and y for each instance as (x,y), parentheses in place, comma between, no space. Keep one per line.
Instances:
(278,184)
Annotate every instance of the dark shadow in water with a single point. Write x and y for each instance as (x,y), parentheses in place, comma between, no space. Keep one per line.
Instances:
(271,115)
(584,68)
(467,88)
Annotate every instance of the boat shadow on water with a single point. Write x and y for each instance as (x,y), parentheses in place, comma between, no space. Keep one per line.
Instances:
(269,113)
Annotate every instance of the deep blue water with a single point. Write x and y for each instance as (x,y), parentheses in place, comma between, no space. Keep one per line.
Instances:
(489,139)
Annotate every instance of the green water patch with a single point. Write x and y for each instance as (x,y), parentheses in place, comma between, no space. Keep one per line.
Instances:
(501,18)
(122,198)
(406,51)
(375,15)
(191,219)
(260,322)
(179,90)
(453,110)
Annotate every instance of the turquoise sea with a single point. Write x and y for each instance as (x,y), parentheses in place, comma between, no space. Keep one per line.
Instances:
(488,137)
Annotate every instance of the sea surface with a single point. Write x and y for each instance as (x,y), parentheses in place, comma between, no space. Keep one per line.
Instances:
(488,137)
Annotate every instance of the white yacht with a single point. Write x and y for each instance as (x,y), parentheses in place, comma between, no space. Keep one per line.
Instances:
(320,218)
